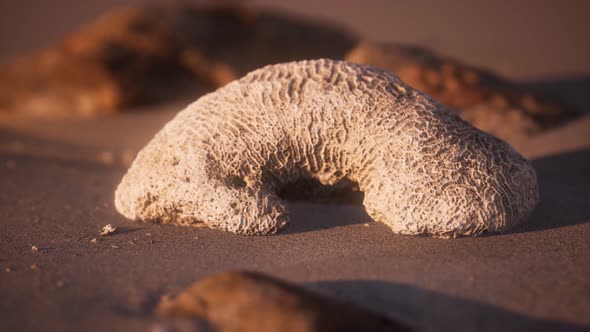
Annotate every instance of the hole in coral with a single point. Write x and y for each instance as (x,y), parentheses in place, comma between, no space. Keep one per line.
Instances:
(237,182)
(344,191)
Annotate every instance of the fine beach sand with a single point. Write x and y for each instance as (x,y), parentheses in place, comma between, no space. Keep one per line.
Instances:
(58,177)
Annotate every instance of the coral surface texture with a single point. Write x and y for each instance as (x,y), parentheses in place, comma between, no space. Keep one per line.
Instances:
(423,170)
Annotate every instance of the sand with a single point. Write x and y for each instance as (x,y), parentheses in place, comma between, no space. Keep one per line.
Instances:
(58,177)
(533,277)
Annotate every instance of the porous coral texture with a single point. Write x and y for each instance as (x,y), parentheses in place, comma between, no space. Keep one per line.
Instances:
(423,170)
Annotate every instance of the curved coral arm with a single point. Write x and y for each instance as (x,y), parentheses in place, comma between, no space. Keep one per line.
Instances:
(423,170)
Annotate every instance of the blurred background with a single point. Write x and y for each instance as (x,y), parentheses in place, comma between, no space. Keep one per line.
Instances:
(518,70)
(522,39)
(515,70)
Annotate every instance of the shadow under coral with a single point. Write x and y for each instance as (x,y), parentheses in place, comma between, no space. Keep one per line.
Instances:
(565,192)
(563,181)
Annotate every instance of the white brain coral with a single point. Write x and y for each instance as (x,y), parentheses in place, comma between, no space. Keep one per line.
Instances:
(423,170)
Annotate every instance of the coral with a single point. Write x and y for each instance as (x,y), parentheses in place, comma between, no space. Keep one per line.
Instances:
(422,169)
(488,101)
(246,301)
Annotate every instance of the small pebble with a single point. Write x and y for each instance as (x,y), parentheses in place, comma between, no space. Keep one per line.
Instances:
(93,240)
(365,225)
(34,267)
(34,249)
(108,229)
(114,246)
(8,269)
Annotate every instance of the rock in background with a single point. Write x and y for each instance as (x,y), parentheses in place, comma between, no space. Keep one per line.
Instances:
(136,56)
(486,100)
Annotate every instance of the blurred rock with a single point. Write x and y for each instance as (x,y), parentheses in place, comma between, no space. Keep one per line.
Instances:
(245,301)
(143,55)
(489,102)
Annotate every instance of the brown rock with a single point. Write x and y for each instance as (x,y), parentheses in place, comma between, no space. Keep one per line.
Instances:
(470,77)
(142,55)
(245,301)
(471,91)
(128,57)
